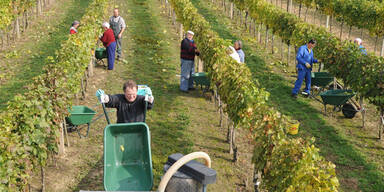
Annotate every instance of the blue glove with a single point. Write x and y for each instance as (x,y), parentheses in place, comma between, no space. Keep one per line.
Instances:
(99,93)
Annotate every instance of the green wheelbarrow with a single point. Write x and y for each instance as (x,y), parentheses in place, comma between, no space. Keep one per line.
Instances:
(201,79)
(100,54)
(320,80)
(128,162)
(127,157)
(339,99)
(80,115)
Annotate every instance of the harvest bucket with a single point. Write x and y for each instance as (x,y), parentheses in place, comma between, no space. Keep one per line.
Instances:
(293,128)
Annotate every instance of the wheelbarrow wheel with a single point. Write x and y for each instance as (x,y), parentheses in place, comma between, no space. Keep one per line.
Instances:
(348,111)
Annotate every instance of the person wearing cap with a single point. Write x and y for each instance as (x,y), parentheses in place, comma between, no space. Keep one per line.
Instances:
(118,26)
(304,65)
(359,42)
(187,57)
(238,45)
(130,106)
(73,29)
(109,43)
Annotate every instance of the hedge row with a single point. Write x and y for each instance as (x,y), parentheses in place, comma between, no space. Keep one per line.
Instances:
(365,14)
(30,127)
(10,9)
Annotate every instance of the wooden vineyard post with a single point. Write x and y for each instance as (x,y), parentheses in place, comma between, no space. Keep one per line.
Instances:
(290,6)
(266,37)
(289,54)
(231,138)
(231,11)
(90,66)
(66,132)
(221,112)
(181,31)
(258,32)
(61,141)
(341,29)
(282,50)
(362,109)
(42,179)
(376,40)
(38,7)
(173,17)
(234,144)
(305,15)
(381,123)
(200,65)
(382,49)
(17,28)
(272,41)
(350,31)
(300,5)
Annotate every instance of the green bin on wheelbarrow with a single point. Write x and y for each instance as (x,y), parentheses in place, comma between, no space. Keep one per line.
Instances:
(127,157)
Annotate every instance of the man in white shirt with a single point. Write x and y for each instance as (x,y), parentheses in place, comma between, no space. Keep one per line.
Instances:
(117,24)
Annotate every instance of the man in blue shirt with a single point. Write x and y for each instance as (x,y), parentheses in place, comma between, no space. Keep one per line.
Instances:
(359,42)
(304,65)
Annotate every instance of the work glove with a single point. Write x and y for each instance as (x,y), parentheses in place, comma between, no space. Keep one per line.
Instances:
(103,98)
(308,65)
(150,99)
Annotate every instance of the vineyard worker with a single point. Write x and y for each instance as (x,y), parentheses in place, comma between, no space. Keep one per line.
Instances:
(109,42)
(359,42)
(238,45)
(232,52)
(74,27)
(304,65)
(117,24)
(130,106)
(187,55)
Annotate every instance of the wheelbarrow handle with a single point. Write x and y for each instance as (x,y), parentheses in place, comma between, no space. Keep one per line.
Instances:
(106,113)
(145,106)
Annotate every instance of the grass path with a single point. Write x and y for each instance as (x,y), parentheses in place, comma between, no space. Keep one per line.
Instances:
(179,122)
(356,153)
(26,59)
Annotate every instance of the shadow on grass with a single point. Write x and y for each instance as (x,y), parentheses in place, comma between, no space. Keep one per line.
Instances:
(93,181)
(46,47)
(350,163)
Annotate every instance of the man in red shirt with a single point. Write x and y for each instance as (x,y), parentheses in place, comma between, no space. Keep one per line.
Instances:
(109,42)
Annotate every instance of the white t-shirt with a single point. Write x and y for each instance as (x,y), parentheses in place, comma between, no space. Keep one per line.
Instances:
(234,54)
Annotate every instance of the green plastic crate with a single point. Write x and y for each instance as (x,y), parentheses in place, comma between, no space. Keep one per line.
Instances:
(127,157)
(336,97)
(101,53)
(80,115)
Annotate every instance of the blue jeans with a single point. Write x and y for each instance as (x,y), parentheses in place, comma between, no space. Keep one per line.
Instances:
(303,73)
(187,69)
(111,49)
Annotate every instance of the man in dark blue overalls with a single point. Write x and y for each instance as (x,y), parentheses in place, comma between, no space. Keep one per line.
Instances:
(304,65)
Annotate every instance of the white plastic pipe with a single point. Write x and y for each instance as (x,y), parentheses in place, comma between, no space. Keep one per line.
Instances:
(172,170)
